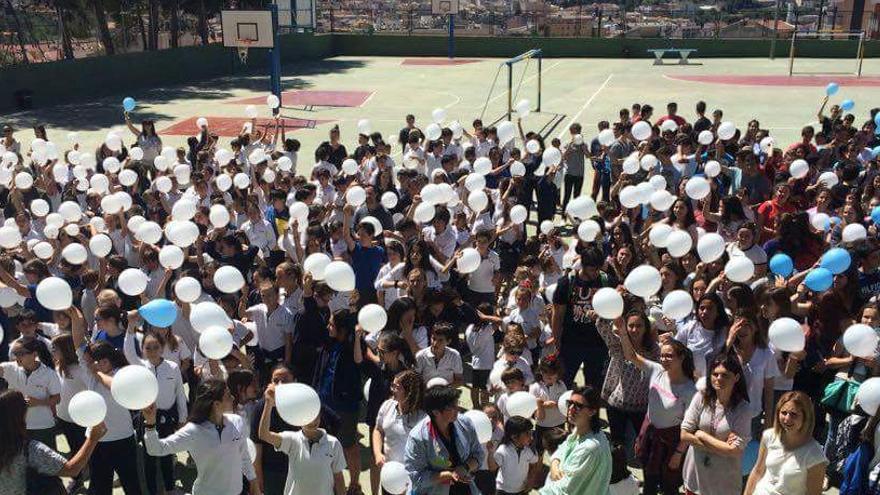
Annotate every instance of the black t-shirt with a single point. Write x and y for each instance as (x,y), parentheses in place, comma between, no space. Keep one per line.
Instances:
(337,156)
(577,295)
(702,124)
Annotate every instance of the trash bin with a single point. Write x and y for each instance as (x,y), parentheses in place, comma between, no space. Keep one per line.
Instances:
(24,99)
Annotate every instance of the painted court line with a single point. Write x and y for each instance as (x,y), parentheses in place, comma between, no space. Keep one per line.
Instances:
(590,100)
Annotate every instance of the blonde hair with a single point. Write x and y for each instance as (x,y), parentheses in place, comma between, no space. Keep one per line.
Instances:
(805,406)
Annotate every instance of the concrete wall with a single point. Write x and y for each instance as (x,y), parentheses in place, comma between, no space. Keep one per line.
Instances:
(82,79)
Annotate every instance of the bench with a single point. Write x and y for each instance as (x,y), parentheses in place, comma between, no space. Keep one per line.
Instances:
(683,54)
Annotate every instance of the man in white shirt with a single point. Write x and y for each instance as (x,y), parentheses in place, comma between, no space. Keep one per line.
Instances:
(440,235)
(275,325)
(438,360)
(259,231)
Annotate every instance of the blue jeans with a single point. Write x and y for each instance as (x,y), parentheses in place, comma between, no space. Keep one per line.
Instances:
(594,360)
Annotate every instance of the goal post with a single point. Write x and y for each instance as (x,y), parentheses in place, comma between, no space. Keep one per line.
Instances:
(828,37)
(513,92)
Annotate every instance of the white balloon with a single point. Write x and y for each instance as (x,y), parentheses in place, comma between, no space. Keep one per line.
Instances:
(661,200)
(110,204)
(134,387)
(478,200)
(521,404)
(297,403)
(163,184)
(712,168)
(523,107)
(87,408)
(43,250)
(469,261)
(424,212)
(588,230)
(171,256)
(629,197)
(69,211)
(315,264)
(389,200)
(284,163)
(786,335)
(241,180)
(854,232)
(678,304)
(71,229)
(547,226)
(475,182)
(710,247)
(215,343)
(100,183)
(184,209)
(219,216)
(643,281)
(372,317)
(606,137)
(608,303)
(506,132)
(820,221)
(679,243)
(133,282)
(24,181)
(648,162)
(75,254)
(111,164)
(149,232)
(582,207)
(669,126)
(224,182)
(350,167)
(355,195)
(517,169)
(10,237)
(339,276)
(481,423)
(182,233)
(726,130)
(188,289)
(767,145)
(482,165)
(364,127)
(54,293)
(533,146)
(828,179)
(631,164)
(39,207)
(518,214)
(273,101)
(551,157)
(394,478)
(228,279)
(705,138)
(438,115)
(799,169)
(658,182)
(433,132)
(697,188)
(868,396)
(641,130)
(861,340)
(128,177)
(644,191)
(739,269)
(205,315)
(136,153)
(562,402)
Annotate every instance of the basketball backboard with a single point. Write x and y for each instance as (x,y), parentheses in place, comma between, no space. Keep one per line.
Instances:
(252,28)
(444,7)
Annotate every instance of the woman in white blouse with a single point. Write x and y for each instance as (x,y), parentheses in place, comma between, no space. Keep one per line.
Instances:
(789,459)
(397,417)
(215,439)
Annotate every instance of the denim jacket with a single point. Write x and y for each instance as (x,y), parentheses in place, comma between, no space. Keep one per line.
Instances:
(426,455)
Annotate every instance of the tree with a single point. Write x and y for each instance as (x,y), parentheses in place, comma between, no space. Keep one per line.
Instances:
(103,29)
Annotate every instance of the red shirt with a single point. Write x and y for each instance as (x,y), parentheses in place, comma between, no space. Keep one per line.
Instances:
(770,212)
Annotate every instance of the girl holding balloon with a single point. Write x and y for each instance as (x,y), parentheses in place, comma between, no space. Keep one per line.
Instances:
(147,138)
(749,342)
(214,438)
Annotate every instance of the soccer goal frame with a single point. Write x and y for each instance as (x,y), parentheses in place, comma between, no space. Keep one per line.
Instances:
(827,36)
(513,87)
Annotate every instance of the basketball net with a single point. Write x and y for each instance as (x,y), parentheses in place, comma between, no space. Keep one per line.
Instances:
(243,50)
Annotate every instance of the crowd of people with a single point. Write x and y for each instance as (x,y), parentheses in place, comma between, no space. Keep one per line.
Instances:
(698,314)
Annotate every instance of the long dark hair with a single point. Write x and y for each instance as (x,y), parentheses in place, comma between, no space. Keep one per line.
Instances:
(396,311)
(688,219)
(63,343)
(425,251)
(731,363)
(13,428)
(687,358)
(210,391)
(105,350)
(414,387)
(721,319)
(516,425)
(593,400)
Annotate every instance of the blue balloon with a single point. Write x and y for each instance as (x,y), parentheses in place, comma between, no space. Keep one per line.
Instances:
(128,103)
(847,105)
(875,215)
(832,89)
(877,120)
(781,264)
(836,260)
(819,279)
(875,152)
(159,312)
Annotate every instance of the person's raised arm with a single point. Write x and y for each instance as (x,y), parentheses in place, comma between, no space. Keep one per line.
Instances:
(77,326)
(358,345)
(180,441)
(75,464)
(134,130)
(348,212)
(626,345)
(13,283)
(265,433)
(821,113)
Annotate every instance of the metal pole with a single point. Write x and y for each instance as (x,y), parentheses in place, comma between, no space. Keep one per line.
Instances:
(540,59)
(275,58)
(509,90)
(775,32)
(451,36)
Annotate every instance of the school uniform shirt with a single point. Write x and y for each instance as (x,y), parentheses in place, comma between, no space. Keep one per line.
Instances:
(177,356)
(312,466)
(260,234)
(389,273)
(294,302)
(542,391)
(118,419)
(272,328)
(529,320)
(513,467)
(481,342)
(481,279)
(445,241)
(71,385)
(395,428)
(39,384)
(447,367)
(501,364)
(220,454)
(171,393)
(755,253)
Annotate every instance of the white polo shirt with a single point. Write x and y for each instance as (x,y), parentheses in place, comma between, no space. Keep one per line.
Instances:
(481,341)
(39,384)
(260,234)
(513,467)
(118,419)
(271,328)
(395,428)
(71,385)
(171,393)
(312,466)
(552,416)
(446,367)
(445,241)
(481,279)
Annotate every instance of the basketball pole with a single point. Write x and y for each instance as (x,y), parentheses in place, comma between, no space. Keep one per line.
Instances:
(275,58)
(451,47)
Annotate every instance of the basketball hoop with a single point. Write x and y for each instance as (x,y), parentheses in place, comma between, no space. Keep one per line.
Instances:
(242,49)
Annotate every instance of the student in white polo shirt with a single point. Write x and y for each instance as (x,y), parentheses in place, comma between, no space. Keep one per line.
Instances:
(515,459)
(482,282)
(316,459)
(439,360)
(275,325)
(40,386)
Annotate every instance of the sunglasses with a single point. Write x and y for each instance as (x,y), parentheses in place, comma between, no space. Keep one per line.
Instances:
(577,406)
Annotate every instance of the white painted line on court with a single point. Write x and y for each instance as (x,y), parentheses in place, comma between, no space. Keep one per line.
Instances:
(590,100)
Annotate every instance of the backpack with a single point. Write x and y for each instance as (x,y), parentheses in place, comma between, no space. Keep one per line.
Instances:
(856,471)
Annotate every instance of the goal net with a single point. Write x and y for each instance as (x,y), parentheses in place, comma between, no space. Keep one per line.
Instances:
(849,45)
(520,90)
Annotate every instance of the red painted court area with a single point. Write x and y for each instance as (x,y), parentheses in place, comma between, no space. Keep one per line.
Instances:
(231,126)
(305,98)
(439,62)
(850,81)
